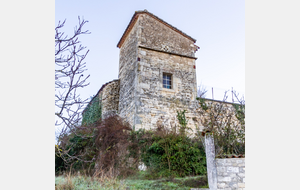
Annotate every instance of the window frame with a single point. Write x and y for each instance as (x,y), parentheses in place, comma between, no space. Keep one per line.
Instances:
(165,86)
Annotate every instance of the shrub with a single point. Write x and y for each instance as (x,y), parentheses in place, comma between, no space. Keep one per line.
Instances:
(111,145)
(168,153)
(112,140)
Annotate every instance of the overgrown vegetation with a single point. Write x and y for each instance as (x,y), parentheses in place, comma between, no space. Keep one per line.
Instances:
(227,123)
(92,112)
(112,145)
(168,152)
(112,142)
(77,150)
(94,148)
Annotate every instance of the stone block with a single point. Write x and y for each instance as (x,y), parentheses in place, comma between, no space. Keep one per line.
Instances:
(221,185)
(232,169)
(225,179)
(220,169)
(241,185)
(145,85)
(143,52)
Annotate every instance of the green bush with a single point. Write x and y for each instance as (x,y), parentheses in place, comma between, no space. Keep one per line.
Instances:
(77,150)
(168,153)
(177,155)
(112,143)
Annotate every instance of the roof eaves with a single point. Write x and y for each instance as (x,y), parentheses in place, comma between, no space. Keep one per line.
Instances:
(134,19)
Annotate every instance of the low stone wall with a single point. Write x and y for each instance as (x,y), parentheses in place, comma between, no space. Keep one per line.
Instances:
(231,173)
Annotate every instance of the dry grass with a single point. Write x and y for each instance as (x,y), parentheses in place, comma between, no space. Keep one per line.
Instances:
(107,181)
(102,181)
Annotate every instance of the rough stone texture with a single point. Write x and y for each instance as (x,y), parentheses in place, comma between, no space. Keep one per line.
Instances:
(149,49)
(127,76)
(231,173)
(109,97)
(156,104)
(156,35)
(144,57)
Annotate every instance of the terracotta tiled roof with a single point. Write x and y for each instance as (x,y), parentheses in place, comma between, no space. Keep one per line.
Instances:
(134,19)
(232,156)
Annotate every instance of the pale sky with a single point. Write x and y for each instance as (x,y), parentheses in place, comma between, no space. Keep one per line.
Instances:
(272,41)
(218,26)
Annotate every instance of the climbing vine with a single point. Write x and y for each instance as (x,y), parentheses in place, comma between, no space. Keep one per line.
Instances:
(93,111)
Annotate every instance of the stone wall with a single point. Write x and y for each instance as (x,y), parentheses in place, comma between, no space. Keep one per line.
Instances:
(109,97)
(231,173)
(156,35)
(150,49)
(158,105)
(225,112)
(127,76)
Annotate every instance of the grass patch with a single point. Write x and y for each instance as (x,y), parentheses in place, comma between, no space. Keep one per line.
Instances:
(140,181)
(137,182)
(78,182)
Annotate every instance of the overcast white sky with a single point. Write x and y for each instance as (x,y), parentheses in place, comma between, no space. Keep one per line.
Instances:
(218,26)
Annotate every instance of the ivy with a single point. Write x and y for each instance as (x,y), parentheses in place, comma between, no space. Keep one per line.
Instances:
(93,112)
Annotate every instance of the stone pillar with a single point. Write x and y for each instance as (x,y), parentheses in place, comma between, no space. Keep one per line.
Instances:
(210,161)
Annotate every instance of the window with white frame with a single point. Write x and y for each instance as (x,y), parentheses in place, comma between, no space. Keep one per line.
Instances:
(167,80)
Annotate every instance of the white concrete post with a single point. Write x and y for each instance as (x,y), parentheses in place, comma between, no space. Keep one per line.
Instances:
(210,161)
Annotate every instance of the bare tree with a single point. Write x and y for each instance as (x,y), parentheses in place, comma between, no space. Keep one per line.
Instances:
(201,91)
(69,76)
(227,123)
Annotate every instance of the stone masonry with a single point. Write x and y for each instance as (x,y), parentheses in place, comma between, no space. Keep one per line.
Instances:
(109,97)
(149,48)
(231,173)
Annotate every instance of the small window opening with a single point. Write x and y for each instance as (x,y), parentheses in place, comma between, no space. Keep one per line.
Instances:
(167,80)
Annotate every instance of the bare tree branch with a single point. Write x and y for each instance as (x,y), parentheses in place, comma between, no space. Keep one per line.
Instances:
(69,75)
(201,91)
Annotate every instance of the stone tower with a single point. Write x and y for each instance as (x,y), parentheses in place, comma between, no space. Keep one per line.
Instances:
(157,72)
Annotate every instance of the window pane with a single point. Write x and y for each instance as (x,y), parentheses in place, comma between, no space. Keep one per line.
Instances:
(167,81)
